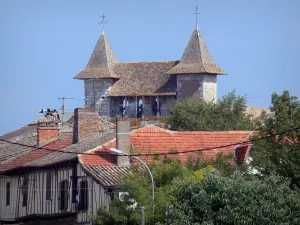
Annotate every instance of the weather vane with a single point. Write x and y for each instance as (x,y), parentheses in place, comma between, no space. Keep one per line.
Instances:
(103,22)
(196,13)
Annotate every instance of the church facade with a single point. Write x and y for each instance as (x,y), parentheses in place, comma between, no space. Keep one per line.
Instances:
(137,89)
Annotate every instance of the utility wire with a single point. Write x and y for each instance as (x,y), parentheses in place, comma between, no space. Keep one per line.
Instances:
(155,154)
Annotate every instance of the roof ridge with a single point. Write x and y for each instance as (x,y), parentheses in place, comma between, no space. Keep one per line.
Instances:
(153,126)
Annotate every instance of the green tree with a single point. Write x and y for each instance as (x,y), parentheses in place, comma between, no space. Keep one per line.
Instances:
(229,113)
(166,172)
(140,192)
(280,154)
(235,200)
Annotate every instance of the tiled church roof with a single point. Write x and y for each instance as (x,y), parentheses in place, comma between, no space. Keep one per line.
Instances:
(101,62)
(196,58)
(144,78)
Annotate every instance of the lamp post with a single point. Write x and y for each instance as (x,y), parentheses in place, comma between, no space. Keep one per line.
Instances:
(148,169)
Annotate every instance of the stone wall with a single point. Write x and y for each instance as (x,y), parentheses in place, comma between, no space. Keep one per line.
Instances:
(202,87)
(189,86)
(96,95)
(210,88)
(167,105)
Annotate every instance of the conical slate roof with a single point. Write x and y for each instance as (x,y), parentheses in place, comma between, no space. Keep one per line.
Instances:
(196,58)
(101,62)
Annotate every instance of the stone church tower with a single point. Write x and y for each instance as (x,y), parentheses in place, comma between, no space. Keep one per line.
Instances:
(196,71)
(148,88)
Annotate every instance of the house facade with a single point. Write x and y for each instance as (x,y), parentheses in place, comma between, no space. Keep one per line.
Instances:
(139,89)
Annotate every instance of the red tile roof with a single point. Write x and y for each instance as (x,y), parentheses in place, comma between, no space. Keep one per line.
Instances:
(38,153)
(152,139)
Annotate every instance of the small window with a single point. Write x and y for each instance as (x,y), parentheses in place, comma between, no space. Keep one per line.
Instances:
(83,195)
(25,191)
(7,193)
(48,186)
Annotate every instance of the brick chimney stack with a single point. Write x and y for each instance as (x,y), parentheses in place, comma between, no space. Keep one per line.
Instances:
(123,141)
(46,133)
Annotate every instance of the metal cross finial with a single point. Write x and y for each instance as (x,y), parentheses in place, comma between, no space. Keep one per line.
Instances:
(196,13)
(103,22)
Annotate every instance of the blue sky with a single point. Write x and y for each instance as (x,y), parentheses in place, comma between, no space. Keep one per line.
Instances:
(43,44)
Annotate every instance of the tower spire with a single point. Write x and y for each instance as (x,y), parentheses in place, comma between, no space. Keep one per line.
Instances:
(103,22)
(196,13)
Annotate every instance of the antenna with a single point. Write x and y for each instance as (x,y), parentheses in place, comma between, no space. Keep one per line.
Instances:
(62,99)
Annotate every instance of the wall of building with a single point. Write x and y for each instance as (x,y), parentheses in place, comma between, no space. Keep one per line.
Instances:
(36,200)
(201,87)
(189,86)
(210,88)
(117,103)
(95,95)
(167,105)
(98,198)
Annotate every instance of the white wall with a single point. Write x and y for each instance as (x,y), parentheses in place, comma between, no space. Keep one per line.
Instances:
(210,88)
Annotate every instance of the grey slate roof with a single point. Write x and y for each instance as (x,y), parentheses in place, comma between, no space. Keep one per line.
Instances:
(80,147)
(109,176)
(101,62)
(9,151)
(144,79)
(196,58)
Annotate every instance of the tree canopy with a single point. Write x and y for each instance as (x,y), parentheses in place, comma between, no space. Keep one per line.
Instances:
(235,200)
(229,113)
(165,173)
(281,153)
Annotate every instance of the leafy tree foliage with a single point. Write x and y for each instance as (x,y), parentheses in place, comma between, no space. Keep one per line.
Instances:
(235,200)
(165,173)
(229,113)
(280,154)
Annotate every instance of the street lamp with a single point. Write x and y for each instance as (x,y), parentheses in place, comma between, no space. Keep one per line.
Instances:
(137,158)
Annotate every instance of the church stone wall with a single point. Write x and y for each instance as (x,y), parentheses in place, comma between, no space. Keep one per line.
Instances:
(96,95)
(167,105)
(202,87)
(189,86)
(210,88)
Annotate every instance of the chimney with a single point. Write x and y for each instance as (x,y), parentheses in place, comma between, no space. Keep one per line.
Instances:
(123,140)
(46,133)
(86,123)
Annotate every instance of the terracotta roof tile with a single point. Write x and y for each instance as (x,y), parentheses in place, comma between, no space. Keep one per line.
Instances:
(152,139)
